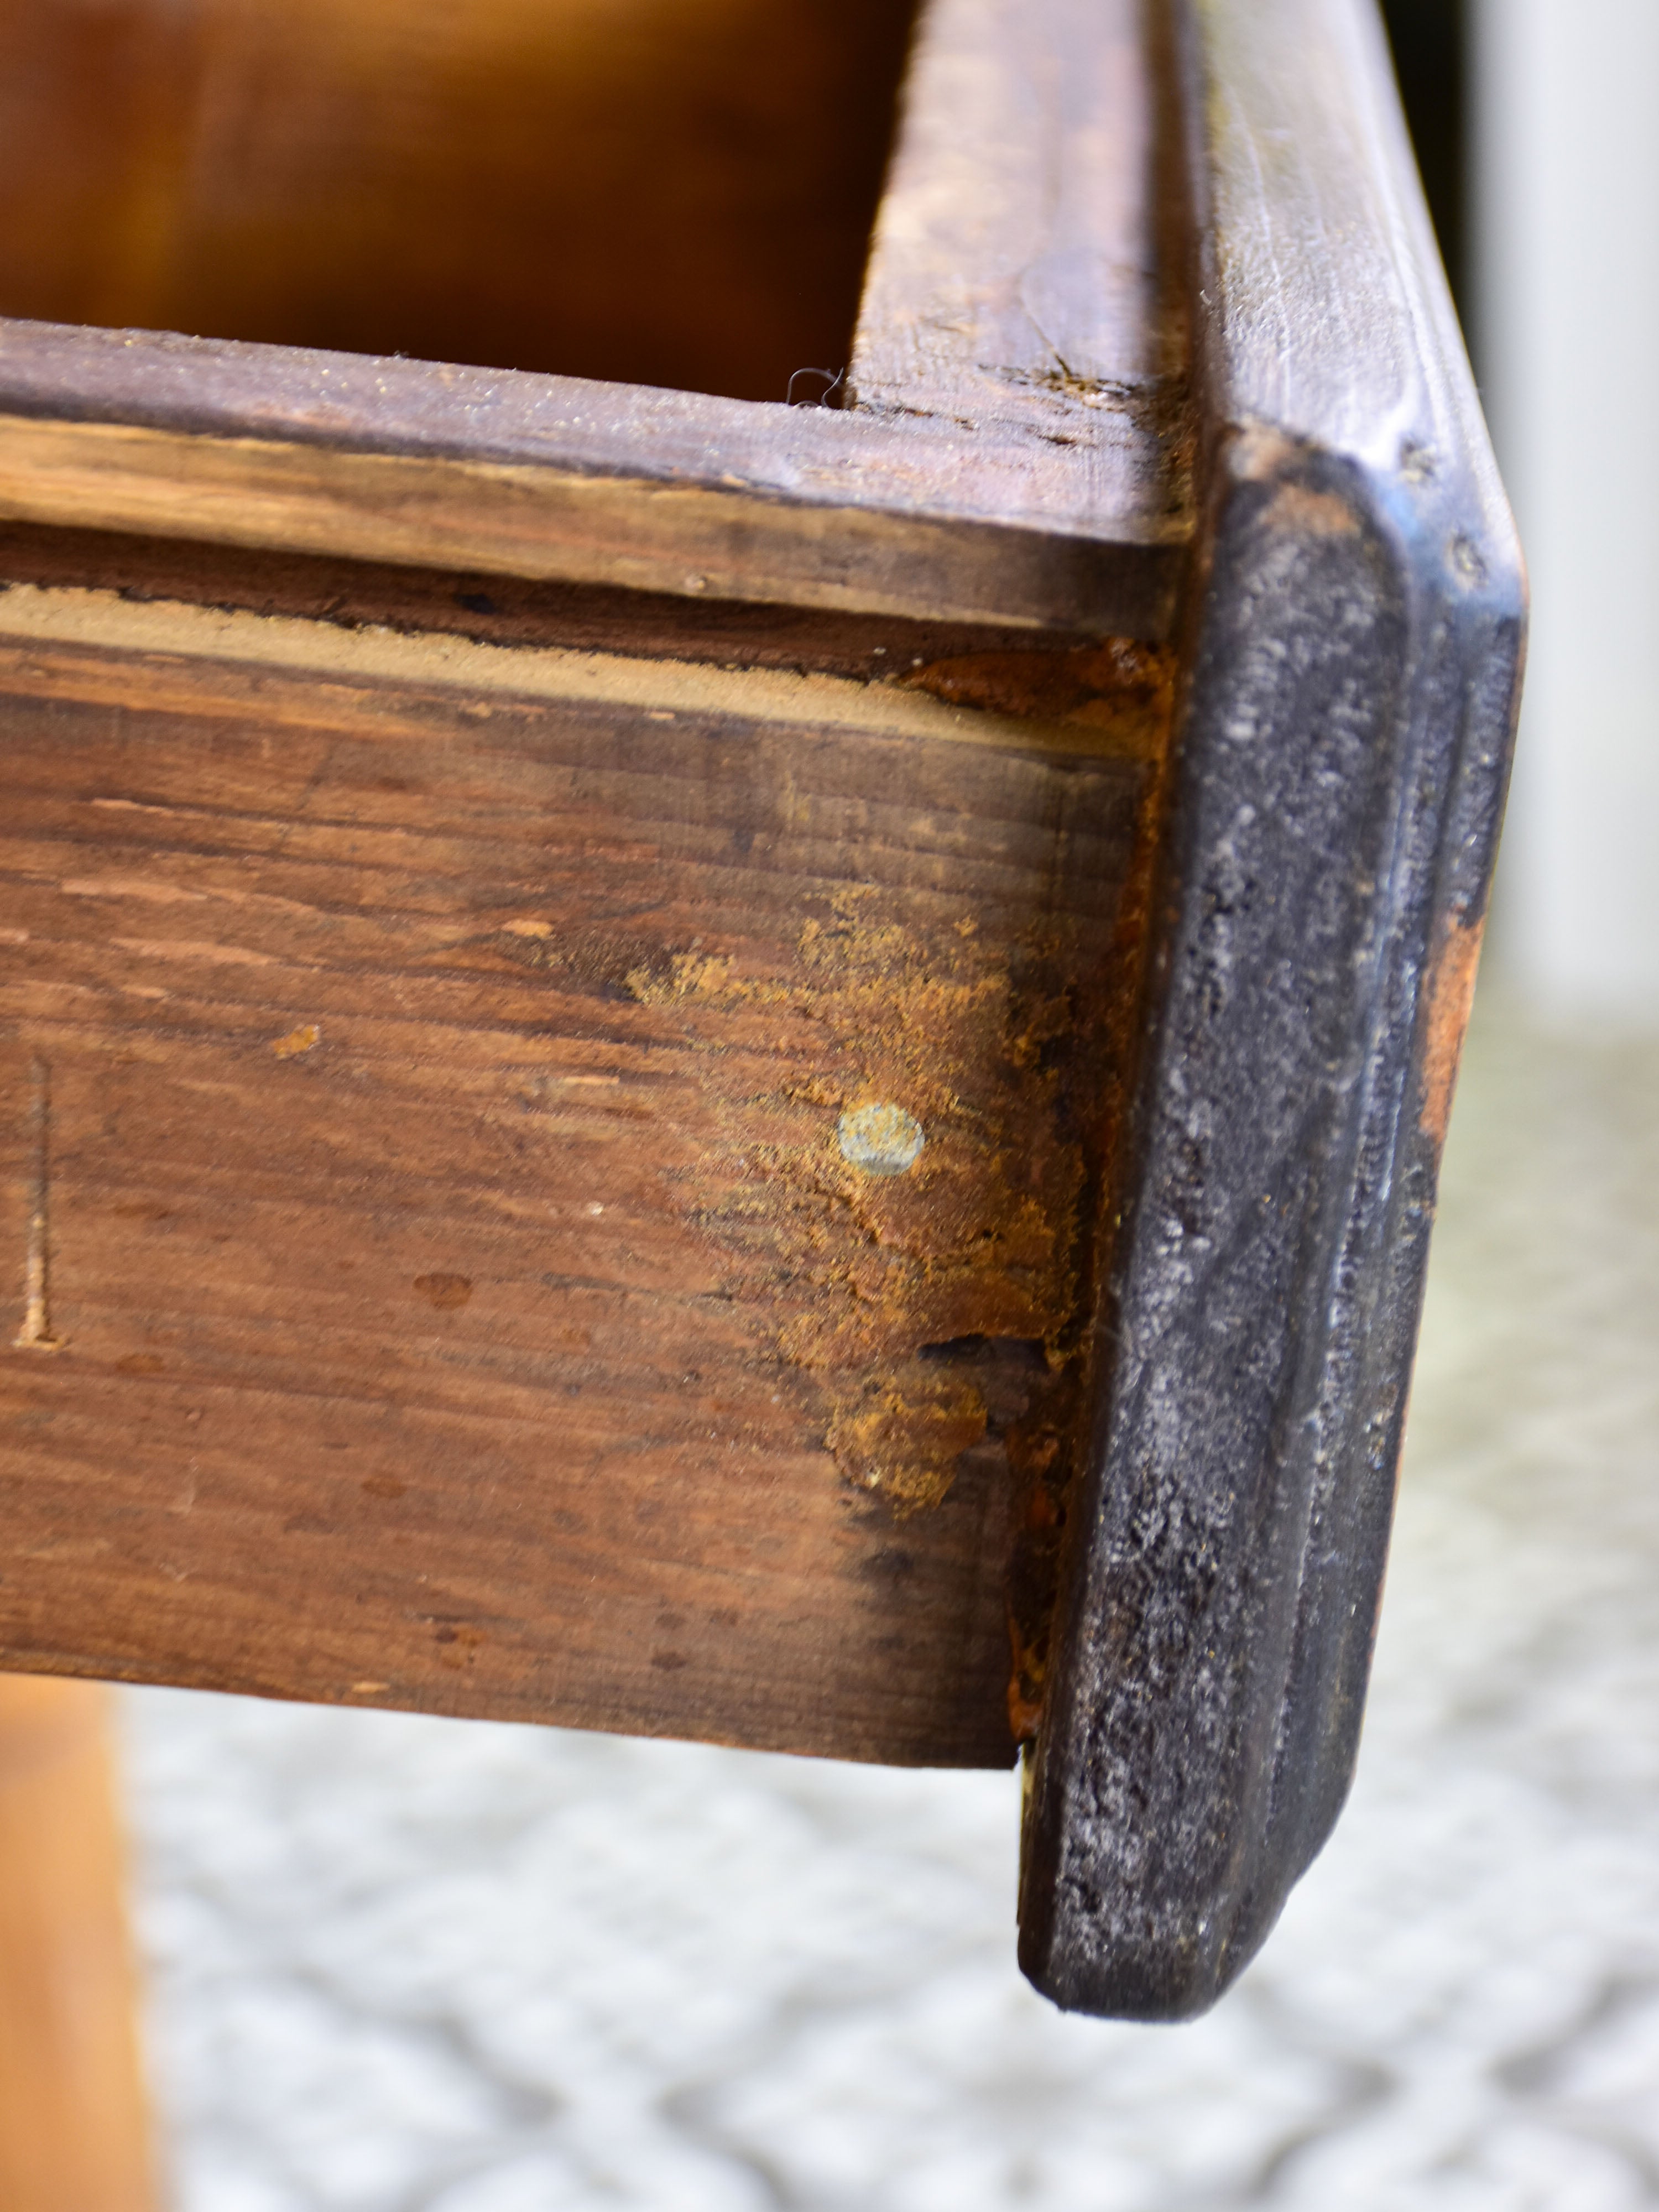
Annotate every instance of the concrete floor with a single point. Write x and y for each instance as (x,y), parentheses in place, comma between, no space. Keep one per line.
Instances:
(399,1965)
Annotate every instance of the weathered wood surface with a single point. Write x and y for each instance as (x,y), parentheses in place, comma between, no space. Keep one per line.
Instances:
(1026,275)
(74,2134)
(1350,708)
(1052,676)
(549,477)
(436,988)
(478,833)
(1052,508)
(424,1066)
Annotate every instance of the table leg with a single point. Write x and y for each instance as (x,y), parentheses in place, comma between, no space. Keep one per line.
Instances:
(74,2134)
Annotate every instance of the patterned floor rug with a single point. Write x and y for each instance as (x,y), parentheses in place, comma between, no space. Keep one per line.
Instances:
(399,1965)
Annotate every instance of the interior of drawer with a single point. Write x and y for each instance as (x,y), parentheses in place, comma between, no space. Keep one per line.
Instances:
(670,192)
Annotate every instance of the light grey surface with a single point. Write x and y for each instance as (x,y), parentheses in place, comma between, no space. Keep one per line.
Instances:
(399,1965)
(1565,172)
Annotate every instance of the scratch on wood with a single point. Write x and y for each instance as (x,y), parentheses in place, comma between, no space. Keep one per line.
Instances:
(36,1334)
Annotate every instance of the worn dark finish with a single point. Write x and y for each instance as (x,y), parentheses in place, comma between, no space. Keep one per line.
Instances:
(1025,273)
(1357,627)
(552,477)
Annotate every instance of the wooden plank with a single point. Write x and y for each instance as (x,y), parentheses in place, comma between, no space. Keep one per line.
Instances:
(571,426)
(1350,707)
(1025,271)
(500,609)
(422,1105)
(544,477)
(1107,724)
(1061,507)
(74,2133)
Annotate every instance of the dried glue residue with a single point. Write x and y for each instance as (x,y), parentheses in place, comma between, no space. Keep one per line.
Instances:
(905,1433)
(1119,689)
(305,1038)
(914,1192)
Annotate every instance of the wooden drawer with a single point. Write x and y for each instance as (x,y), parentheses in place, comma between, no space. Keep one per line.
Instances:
(683,1064)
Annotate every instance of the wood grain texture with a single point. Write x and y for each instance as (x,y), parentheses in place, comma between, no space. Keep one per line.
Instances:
(1349,706)
(651,191)
(1025,271)
(1052,507)
(460,1294)
(434,1003)
(1108,718)
(499,610)
(74,2132)
(548,476)
(1057,505)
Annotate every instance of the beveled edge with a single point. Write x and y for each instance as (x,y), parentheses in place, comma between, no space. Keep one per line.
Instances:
(1354,662)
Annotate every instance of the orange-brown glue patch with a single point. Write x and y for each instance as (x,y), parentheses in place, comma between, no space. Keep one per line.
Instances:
(1450,996)
(906,1432)
(1119,688)
(881,1287)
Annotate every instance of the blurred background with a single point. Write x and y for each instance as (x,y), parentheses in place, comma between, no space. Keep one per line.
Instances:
(402,1964)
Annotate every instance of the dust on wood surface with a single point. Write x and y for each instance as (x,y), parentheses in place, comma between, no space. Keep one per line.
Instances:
(1026,272)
